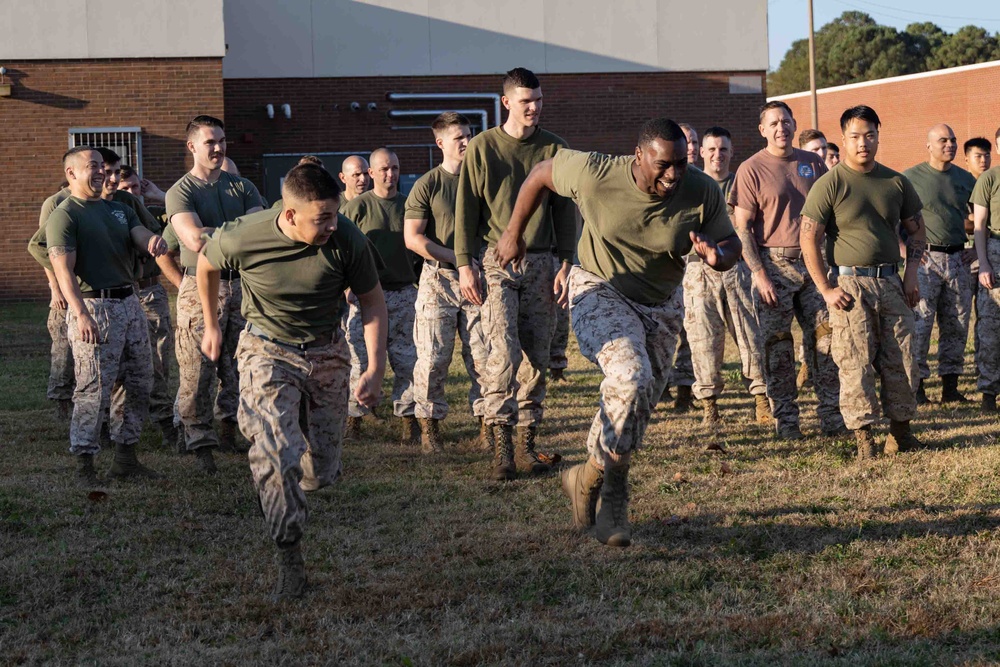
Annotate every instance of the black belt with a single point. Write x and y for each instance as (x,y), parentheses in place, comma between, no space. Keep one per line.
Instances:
(143,283)
(224,274)
(440,265)
(880,271)
(321,341)
(786,253)
(110,293)
(947,249)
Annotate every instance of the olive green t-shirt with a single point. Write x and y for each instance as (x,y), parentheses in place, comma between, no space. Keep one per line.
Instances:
(433,199)
(862,213)
(494,167)
(226,199)
(292,290)
(100,234)
(945,196)
(382,221)
(145,267)
(635,240)
(987,193)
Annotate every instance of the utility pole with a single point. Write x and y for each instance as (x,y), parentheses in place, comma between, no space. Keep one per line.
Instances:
(812,70)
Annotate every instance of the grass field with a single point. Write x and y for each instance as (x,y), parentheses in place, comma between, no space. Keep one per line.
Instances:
(764,554)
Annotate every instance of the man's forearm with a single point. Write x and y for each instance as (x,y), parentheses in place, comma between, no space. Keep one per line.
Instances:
(529,198)
(810,241)
(417,241)
(207,278)
(63,263)
(375,320)
(168,265)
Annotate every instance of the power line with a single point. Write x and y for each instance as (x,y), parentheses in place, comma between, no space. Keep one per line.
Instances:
(893,16)
(928,14)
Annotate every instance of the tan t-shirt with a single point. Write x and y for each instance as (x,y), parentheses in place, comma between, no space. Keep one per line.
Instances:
(774,189)
(634,240)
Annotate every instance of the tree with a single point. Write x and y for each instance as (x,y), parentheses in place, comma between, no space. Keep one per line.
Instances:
(854,48)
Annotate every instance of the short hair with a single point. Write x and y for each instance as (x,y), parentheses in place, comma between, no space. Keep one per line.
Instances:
(76,150)
(717,131)
(860,112)
(108,155)
(774,104)
(982,143)
(311,159)
(448,119)
(199,122)
(660,128)
(832,147)
(309,182)
(128,172)
(807,136)
(379,151)
(519,77)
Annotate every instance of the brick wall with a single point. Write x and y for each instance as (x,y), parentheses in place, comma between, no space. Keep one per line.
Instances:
(49,97)
(964,98)
(591,111)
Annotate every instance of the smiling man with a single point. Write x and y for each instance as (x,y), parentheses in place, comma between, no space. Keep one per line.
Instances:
(519,306)
(642,214)
(860,207)
(203,199)
(294,365)
(945,283)
(767,200)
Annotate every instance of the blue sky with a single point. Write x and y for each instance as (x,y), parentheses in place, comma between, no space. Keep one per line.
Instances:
(788,20)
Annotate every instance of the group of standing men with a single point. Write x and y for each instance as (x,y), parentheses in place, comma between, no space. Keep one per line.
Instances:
(287,314)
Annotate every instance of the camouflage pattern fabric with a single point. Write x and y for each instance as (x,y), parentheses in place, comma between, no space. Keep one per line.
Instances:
(988,327)
(61,357)
(156,305)
(945,292)
(560,335)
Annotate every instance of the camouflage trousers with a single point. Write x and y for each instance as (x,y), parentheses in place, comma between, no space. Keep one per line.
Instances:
(293,406)
(61,363)
(517,318)
(560,334)
(156,305)
(400,349)
(988,327)
(199,376)
(682,372)
(797,297)
(633,344)
(715,302)
(874,335)
(441,311)
(122,357)
(945,292)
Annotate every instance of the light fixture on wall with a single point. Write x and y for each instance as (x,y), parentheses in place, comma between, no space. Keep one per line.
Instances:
(5,88)
(270,110)
(287,110)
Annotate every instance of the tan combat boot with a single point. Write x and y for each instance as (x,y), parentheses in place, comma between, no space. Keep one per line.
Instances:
(86,474)
(409,431)
(711,416)
(612,524)
(486,442)
(582,483)
(291,582)
(353,428)
(762,410)
(430,436)
(866,443)
(126,464)
(525,457)
(802,380)
(685,399)
(503,453)
(901,438)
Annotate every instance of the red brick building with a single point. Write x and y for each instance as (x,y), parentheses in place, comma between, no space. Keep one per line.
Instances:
(966,98)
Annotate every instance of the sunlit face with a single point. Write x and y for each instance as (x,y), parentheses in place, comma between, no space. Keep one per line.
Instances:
(692,145)
(355,177)
(777,128)
(817,146)
(453,141)
(977,161)
(112,178)
(85,174)
(942,146)
(208,146)
(717,152)
(662,164)
(860,143)
(131,185)
(312,222)
(524,105)
(384,171)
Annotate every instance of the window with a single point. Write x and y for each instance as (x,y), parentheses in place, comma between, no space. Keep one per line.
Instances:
(126,141)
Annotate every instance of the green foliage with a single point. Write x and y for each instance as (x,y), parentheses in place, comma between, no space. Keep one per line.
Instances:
(854,47)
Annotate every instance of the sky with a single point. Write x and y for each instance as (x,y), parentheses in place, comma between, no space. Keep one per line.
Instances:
(788,20)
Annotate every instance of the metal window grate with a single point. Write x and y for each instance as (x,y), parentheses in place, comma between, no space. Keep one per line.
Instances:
(126,141)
